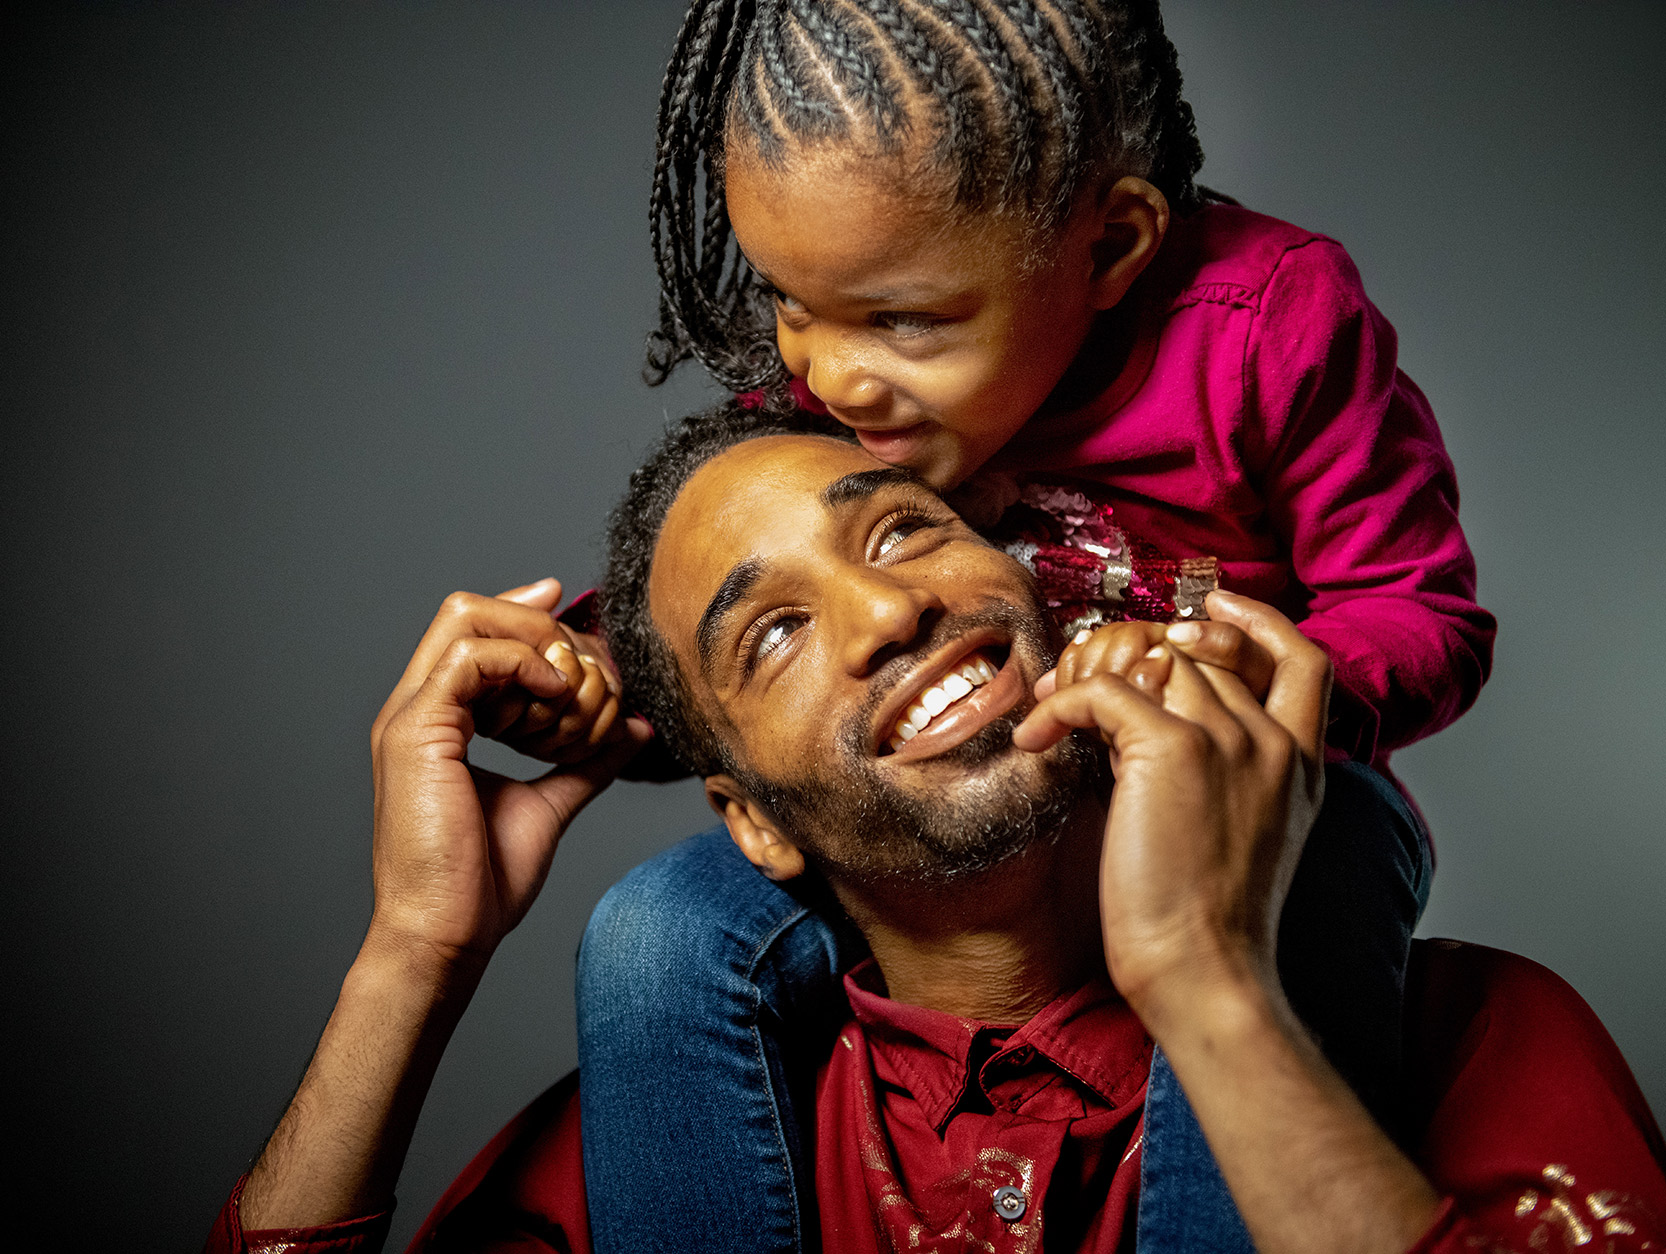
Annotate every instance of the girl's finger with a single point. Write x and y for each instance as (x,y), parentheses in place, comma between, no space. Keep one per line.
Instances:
(1227,646)
(1108,703)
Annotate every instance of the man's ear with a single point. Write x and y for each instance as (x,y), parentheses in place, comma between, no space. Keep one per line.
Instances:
(754,829)
(1126,224)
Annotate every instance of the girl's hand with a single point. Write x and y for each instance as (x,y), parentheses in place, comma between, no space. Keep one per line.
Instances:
(1117,648)
(572,725)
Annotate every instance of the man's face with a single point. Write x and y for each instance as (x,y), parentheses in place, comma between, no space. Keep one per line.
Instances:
(864,657)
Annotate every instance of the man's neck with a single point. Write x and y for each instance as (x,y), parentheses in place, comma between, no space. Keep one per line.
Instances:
(999,946)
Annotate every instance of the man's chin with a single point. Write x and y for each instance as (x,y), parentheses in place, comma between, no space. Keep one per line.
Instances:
(945,819)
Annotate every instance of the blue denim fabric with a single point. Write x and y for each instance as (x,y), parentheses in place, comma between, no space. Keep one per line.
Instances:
(707,996)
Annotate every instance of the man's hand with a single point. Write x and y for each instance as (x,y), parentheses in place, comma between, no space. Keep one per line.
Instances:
(1214,797)
(460,853)
(1214,792)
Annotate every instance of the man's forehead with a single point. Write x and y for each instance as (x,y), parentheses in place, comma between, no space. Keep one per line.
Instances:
(746,502)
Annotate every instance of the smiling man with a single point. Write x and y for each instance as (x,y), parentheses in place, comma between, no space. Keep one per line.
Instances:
(853,672)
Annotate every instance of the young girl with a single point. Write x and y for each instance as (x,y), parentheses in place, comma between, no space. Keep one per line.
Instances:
(968,230)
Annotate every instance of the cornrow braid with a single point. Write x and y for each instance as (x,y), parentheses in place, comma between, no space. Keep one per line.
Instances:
(1019,122)
(1021,104)
(930,70)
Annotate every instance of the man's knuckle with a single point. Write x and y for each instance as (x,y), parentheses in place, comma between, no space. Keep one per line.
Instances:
(458,604)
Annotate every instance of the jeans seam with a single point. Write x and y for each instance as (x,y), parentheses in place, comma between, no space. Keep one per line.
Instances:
(757,958)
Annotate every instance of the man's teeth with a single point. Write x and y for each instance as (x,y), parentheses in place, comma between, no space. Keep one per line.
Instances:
(972,673)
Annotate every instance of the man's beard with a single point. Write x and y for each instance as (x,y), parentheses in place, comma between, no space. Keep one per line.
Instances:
(853,823)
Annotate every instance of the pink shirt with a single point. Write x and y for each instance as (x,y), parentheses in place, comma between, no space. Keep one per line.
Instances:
(1260,418)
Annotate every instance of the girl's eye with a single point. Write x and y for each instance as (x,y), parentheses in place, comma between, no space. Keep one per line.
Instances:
(788,304)
(907,325)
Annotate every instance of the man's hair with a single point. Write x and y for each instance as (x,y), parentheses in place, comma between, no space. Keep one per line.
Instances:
(1021,104)
(654,685)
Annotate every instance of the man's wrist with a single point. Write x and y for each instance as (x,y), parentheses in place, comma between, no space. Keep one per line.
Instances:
(1212,998)
(394,965)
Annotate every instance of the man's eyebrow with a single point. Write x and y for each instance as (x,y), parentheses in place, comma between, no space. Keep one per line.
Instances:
(861,484)
(736,584)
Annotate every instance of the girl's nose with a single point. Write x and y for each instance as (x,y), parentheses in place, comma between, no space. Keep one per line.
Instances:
(880,615)
(833,368)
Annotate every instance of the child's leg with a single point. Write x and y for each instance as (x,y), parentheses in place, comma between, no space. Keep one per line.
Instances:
(707,995)
(1342,948)
(1346,932)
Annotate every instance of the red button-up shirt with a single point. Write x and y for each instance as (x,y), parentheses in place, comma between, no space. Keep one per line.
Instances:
(1532,1125)
(936,1132)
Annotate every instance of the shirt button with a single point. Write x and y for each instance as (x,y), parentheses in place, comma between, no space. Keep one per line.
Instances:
(1010,1203)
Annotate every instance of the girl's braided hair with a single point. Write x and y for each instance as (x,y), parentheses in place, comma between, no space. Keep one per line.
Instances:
(1022,101)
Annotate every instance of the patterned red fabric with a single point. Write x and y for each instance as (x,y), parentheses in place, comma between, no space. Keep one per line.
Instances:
(936,1132)
(1531,1124)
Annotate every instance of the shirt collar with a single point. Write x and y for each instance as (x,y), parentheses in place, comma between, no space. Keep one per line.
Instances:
(1090,1034)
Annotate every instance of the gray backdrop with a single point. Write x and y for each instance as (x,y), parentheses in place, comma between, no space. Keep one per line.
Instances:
(316,312)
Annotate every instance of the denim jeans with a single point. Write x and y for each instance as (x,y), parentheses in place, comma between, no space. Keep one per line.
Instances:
(708,995)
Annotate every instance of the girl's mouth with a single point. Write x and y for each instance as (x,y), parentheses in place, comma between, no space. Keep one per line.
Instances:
(895,445)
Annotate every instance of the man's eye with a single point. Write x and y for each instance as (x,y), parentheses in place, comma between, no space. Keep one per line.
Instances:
(907,325)
(776,634)
(899,531)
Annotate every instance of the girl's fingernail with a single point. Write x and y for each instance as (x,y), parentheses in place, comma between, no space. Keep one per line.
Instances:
(585,657)
(1082,636)
(1185,633)
(1156,651)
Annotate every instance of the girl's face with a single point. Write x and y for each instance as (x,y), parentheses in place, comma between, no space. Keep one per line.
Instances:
(931,332)
(920,327)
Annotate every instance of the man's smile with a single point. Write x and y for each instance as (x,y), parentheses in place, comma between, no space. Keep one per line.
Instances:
(954,694)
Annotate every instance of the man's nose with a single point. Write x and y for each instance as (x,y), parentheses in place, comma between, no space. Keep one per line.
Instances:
(881,614)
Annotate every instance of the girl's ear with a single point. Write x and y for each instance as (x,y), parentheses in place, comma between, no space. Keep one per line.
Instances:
(1126,224)
(754,829)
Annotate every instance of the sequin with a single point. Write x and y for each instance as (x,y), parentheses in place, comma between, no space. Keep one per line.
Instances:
(1090,571)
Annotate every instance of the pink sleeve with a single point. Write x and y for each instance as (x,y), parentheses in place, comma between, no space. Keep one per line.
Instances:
(1358,482)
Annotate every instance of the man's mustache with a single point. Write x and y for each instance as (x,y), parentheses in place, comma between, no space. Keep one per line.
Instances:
(1022,625)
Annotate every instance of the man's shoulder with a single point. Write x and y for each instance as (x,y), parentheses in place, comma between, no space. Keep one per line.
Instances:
(1502,1051)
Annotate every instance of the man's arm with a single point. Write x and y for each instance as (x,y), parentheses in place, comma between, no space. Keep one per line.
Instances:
(1214,796)
(459,856)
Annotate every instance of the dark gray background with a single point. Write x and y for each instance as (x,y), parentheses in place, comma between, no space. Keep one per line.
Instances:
(314,312)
